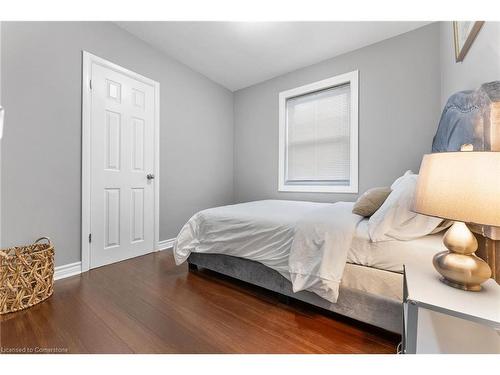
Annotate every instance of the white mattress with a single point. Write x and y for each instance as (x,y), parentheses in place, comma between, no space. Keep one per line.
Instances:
(392,255)
(376,267)
(372,280)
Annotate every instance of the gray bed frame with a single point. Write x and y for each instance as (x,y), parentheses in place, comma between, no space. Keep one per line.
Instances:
(465,120)
(369,308)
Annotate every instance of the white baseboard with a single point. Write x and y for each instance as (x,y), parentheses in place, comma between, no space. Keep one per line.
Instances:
(67,270)
(72,269)
(166,245)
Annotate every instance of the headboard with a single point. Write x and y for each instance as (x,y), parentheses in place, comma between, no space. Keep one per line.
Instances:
(470,117)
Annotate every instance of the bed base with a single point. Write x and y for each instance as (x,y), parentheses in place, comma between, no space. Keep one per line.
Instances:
(369,308)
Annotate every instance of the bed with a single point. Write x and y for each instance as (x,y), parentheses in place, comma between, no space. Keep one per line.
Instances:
(253,242)
(321,253)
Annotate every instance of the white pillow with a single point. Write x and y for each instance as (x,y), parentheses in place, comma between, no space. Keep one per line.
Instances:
(395,218)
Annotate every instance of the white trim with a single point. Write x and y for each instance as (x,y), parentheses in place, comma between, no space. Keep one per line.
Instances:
(353,79)
(157,165)
(1,136)
(86,164)
(88,60)
(166,244)
(67,270)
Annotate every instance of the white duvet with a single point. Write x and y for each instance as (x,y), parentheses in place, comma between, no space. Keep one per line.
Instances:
(306,242)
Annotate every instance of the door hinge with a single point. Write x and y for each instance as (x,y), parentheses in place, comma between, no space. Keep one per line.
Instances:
(90,237)
(90,84)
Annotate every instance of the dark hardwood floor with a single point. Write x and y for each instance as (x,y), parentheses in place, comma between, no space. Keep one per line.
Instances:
(149,305)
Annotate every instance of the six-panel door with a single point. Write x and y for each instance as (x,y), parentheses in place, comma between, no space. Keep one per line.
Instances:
(122,155)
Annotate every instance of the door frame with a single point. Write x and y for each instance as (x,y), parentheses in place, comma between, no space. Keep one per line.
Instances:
(88,60)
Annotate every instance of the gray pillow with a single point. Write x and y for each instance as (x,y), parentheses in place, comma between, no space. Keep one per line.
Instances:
(370,201)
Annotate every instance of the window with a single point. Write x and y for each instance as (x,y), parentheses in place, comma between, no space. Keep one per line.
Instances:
(318,136)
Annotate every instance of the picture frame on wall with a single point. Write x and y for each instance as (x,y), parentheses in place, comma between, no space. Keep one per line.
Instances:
(464,34)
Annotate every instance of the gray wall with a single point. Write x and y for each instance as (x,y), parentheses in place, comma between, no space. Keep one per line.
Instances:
(403,83)
(399,107)
(481,64)
(41,90)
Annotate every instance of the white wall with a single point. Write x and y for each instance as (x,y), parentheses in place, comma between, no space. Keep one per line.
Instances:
(41,91)
(481,64)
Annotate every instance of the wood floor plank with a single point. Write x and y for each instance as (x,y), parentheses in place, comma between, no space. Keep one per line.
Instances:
(150,305)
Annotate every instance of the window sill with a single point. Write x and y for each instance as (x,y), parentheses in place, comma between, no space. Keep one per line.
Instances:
(351,189)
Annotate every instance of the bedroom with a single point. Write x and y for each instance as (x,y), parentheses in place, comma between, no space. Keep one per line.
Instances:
(250,187)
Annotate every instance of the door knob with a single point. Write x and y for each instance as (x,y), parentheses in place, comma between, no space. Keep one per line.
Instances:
(150,176)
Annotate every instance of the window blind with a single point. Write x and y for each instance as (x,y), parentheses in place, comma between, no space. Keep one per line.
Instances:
(318,144)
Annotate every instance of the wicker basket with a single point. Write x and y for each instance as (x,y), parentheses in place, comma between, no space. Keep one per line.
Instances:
(26,275)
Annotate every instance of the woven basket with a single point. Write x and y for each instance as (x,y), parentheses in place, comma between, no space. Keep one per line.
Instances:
(26,275)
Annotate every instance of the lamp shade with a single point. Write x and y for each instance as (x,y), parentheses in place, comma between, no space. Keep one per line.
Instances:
(462,186)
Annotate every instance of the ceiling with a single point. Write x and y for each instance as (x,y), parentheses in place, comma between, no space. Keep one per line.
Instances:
(241,54)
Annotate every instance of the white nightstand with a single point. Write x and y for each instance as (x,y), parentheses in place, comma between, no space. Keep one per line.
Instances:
(441,319)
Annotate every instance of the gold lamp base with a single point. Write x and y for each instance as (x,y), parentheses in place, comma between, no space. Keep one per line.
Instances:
(470,288)
(459,266)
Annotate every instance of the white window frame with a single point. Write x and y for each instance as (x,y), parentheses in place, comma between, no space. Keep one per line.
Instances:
(351,78)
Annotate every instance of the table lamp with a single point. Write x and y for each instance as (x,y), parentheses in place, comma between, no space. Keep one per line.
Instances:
(463,187)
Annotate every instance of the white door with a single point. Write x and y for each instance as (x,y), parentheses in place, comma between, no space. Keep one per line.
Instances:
(122,165)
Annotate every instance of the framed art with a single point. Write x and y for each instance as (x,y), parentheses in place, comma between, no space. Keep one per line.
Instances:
(464,34)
